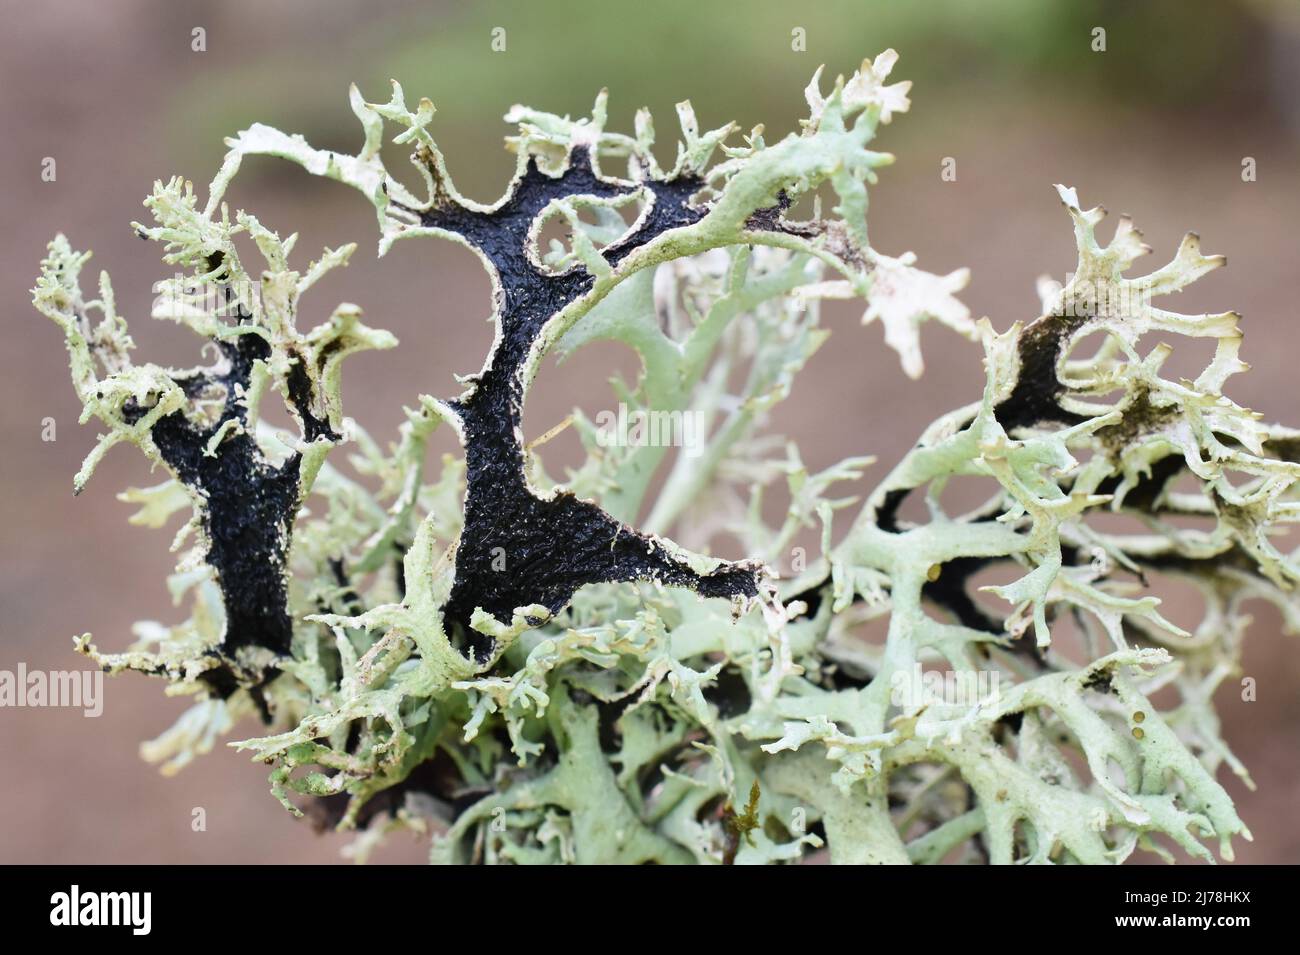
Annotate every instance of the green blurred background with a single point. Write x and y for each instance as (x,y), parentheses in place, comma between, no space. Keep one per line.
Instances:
(1157,125)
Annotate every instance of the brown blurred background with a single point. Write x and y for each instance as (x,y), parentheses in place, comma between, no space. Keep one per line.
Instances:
(1157,126)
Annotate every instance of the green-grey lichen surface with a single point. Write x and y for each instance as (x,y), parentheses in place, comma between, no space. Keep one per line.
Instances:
(612,696)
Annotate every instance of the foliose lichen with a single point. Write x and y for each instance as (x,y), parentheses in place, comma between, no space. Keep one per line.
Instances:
(529,671)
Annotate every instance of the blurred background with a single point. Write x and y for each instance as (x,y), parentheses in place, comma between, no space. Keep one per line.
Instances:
(1157,125)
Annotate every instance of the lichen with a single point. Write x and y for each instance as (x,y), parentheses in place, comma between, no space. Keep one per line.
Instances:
(534,672)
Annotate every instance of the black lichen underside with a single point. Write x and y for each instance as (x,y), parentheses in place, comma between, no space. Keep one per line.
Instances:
(1036,396)
(517,548)
(250,503)
(1035,399)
